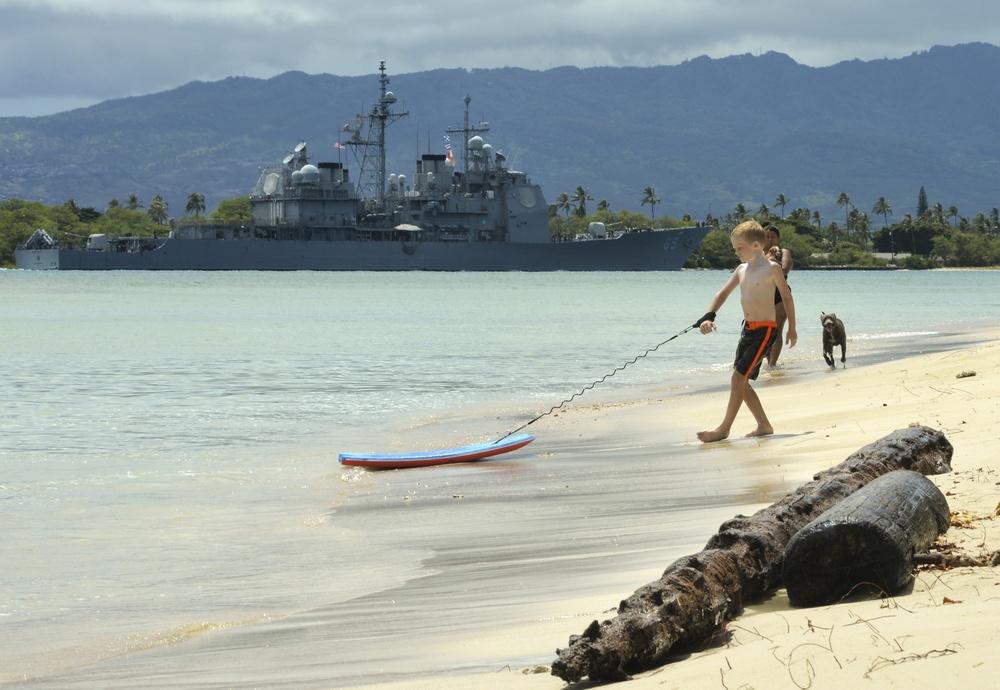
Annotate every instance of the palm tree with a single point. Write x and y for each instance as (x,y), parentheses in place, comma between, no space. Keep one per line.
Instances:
(580,198)
(832,234)
(195,204)
(133,203)
(649,197)
(764,212)
(953,214)
(605,208)
(740,212)
(862,225)
(882,208)
(908,223)
(781,201)
(981,222)
(851,230)
(845,201)
(562,203)
(817,219)
(113,204)
(158,210)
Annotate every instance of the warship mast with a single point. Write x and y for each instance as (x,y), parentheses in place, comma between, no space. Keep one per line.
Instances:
(369,151)
(467,131)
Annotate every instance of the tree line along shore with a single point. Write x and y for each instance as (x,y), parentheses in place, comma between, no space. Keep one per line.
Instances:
(931,237)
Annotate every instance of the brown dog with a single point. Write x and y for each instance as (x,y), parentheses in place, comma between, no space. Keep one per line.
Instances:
(833,334)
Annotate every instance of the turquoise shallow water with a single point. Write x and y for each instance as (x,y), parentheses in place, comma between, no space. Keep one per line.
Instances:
(172,513)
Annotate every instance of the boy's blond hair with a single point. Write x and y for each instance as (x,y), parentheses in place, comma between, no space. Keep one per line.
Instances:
(751,231)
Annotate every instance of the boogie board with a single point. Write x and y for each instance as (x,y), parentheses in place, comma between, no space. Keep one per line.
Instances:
(479,451)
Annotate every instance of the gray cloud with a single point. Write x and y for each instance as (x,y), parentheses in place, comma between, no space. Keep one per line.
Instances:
(56,54)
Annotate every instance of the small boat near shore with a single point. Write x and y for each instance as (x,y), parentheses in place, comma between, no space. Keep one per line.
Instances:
(470,213)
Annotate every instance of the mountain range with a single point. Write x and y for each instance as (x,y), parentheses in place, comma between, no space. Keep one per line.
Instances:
(706,134)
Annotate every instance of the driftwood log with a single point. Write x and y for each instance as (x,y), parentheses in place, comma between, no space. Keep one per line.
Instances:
(697,594)
(867,539)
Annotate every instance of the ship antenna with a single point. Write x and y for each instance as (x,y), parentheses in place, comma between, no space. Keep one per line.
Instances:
(370,150)
(467,131)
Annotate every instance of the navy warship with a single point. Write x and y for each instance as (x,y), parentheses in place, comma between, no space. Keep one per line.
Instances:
(471,213)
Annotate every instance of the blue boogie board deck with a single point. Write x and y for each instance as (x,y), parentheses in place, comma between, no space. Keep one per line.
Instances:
(479,451)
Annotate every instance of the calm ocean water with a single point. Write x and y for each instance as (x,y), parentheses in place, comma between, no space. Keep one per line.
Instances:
(173,515)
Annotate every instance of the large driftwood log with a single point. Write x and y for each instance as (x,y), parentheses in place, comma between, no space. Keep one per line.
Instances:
(697,594)
(869,538)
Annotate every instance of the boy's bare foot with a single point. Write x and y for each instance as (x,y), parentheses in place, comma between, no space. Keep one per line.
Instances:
(714,435)
(761,431)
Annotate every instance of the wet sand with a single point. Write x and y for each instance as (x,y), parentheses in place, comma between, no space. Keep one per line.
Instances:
(942,632)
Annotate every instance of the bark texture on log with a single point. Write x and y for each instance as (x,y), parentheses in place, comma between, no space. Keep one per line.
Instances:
(697,594)
(868,538)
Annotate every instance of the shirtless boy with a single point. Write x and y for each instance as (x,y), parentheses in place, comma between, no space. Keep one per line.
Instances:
(758,278)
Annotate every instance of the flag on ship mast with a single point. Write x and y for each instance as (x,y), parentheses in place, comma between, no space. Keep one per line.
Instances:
(447,149)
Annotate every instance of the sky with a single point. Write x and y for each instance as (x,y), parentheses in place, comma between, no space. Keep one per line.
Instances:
(56,55)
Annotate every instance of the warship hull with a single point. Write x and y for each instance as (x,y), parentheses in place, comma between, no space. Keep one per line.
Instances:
(657,250)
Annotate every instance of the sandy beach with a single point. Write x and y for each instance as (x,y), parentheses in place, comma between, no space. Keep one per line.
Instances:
(942,632)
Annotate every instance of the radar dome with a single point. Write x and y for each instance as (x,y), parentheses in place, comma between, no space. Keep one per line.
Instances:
(476,143)
(488,150)
(401,180)
(310,174)
(297,177)
(271,181)
(390,97)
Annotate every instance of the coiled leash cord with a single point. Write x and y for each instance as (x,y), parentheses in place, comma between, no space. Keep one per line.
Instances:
(710,316)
